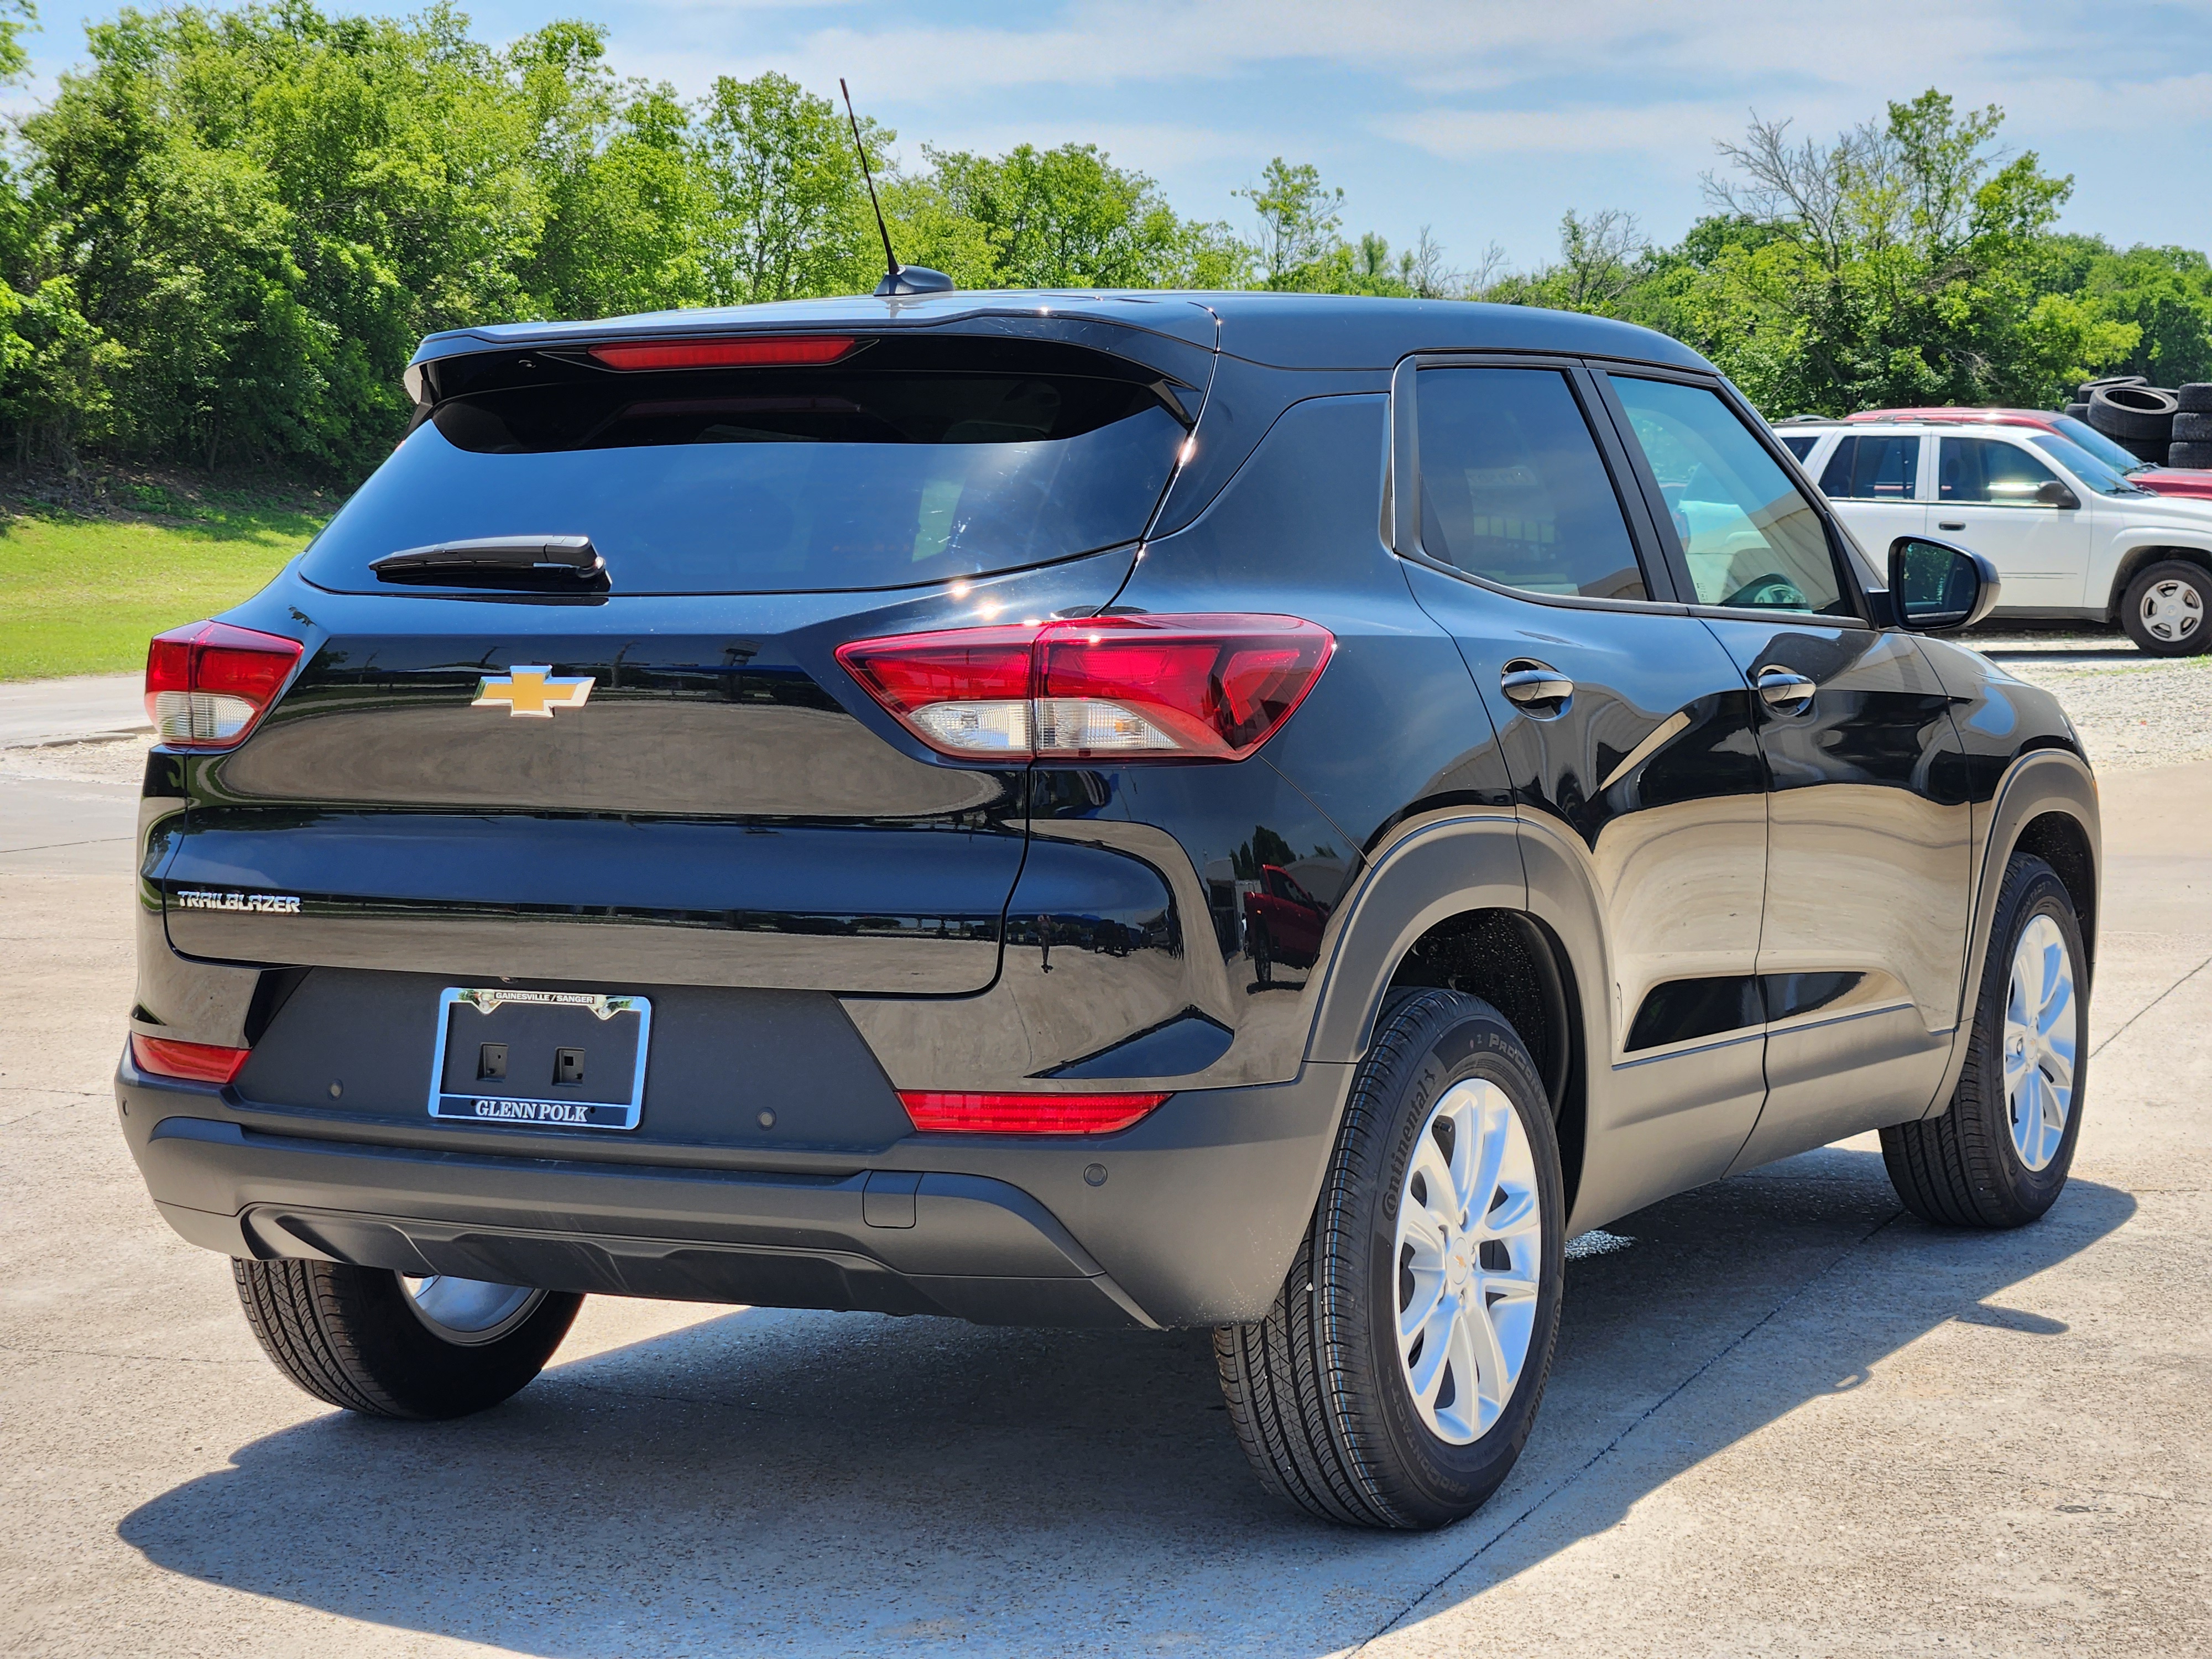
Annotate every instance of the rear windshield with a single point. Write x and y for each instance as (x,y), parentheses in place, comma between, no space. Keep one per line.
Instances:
(904,462)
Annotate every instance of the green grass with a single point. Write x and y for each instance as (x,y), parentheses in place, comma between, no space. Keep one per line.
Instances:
(81,595)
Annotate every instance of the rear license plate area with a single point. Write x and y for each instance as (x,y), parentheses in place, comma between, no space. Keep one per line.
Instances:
(566,1059)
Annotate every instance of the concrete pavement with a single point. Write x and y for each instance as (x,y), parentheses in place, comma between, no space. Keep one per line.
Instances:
(88,705)
(1785,1418)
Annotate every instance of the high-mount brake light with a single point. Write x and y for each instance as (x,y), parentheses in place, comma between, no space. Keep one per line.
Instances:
(937,1112)
(756,351)
(194,1062)
(1132,688)
(208,683)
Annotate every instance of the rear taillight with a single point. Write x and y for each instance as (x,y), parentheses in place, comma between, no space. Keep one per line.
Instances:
(207,683)
(760,351)
(939,1113)
(194,1062)
(1138,688)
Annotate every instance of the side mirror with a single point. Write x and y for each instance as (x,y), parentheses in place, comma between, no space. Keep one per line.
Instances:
(1934,587)
(2052,493)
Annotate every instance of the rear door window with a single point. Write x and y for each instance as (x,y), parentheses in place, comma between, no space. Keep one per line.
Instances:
(1873,469)
(1513,488)
(905,461)
(1750,539)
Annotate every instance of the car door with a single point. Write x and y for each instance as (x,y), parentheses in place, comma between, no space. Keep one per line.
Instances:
(1628,733)
(1873,480)
(1989,497)
(1862,942)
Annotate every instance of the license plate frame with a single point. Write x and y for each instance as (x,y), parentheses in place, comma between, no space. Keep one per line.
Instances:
(504,1108)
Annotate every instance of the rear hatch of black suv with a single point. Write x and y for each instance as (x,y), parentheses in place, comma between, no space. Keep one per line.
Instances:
(590,730)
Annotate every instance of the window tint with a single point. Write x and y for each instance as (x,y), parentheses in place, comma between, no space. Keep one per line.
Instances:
(907,461)
(1750,539)
(1873,469)
(1990,471)
(1801,444)
(1512,486)
(2086,466)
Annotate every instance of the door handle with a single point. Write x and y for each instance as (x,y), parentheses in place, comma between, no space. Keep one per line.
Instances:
(1791,693)
(1950,523)
(1535,686)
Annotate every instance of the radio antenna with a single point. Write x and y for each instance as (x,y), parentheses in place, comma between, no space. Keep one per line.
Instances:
(898,279)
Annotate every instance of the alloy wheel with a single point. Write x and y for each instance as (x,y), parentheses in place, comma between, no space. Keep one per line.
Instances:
(2040,1038)
(1470,1259)
(469,1312)
(2172,610)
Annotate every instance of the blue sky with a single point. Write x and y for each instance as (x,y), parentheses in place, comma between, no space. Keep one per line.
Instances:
(1483,120)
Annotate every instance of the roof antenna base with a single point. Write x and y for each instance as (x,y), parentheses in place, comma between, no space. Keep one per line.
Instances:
(913,279)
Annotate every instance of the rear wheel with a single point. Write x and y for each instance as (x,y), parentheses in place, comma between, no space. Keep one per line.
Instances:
(1397,1376)
(387,1346)
(2167,609)
(1998,1155)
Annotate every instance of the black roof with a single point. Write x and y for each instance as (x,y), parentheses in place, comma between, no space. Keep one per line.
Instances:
(1288,331)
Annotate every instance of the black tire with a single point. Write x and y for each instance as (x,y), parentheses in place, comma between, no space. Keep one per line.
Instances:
(2126,412)
(1963,1169)
(1263,956)
(2154,588)
(2192,454)
(2079,411)
(351,1337)
(2194,398)
(2088,390)
(2192,429)
(1316,1390)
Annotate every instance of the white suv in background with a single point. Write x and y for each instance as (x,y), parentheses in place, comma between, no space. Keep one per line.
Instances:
(2071,538)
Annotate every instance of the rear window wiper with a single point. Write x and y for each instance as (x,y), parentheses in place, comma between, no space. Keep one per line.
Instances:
(535,563)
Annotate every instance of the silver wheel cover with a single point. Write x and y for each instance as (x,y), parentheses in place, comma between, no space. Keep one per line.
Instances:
(1470,1252)
(2040,1036)
(2171,610)
(469,1312)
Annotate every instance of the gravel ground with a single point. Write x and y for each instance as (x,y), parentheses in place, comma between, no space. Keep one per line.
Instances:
(2132,711)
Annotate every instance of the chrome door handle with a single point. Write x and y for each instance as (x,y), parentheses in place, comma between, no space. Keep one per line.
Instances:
(1533,686)
(1950,523)
(1790,693)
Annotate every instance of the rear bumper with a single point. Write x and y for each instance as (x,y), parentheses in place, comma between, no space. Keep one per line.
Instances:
(1195,1224)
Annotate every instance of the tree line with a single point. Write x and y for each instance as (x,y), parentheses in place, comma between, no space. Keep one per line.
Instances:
(222,237)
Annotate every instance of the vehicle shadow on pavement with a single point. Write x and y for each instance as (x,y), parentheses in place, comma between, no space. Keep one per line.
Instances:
(820,1483)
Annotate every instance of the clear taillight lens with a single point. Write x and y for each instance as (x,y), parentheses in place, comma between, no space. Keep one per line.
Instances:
(1138,688)
(207,683)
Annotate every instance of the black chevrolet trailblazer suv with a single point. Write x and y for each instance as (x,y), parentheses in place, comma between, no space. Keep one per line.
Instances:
(774,806)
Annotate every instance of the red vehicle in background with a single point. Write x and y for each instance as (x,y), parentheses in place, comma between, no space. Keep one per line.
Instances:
(1283,923)
(2159,480)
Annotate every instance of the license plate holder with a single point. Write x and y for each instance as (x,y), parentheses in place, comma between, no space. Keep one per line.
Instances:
(566,1059)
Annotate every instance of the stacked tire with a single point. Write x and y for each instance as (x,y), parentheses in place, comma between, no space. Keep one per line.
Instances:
(2165,428)
(2192,426)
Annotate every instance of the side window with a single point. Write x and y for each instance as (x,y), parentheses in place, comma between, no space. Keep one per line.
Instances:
(1749,538)
(1512,486)
(1801,444)
(1873,469)
(1988,469)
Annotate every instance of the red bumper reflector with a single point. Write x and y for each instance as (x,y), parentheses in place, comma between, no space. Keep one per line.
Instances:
(938,1113)
(759,351)
(196,1062)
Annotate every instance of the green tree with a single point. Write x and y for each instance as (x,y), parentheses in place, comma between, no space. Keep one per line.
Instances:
(787,218)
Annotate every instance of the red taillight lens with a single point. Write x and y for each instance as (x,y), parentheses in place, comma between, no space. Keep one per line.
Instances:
(760,351)
(207,683)
(1139,688)
(196,1062)
(938,1113)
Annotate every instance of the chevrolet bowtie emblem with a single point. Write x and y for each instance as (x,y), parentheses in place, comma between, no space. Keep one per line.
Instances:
(530,688)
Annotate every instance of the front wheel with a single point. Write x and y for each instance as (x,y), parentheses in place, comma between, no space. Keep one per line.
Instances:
(387,1346)
(2168,611)
(1999,1154)
(1397,1376)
